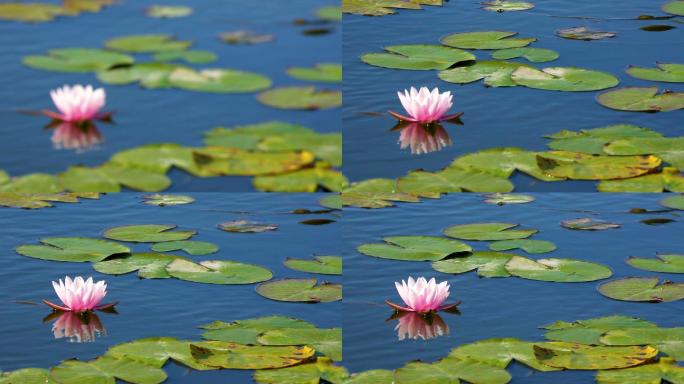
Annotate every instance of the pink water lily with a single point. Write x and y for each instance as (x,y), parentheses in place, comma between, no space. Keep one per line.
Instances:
(422,296)
(421,139)
(425,106)
(77,103)
(75,136)
(79,295)
(415,326)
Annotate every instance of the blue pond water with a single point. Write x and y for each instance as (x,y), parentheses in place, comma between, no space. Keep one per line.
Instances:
(166,307)
(154,116)
(500,307)
(497,117)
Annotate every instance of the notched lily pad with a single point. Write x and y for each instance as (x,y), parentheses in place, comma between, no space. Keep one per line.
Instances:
(488,231)
(534,55)
(557,270)
(568,79)
(309,98)
(662,263)
(77,60)
(147,233)
(300,290)
(486,40)
(527,245)
(667,72)
(327,265)
(322,73)
(414,248)
(642,289)
(191,247)
(220,354)
(487,264)
(418,57)
(584,33)
(218,272)
(641,99)
(494,73)
(72,249)
(245,226)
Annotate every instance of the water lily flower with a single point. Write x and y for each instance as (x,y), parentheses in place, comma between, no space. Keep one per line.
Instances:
(422,296)
(425,106)
(77,329)
(77,103)
(414,326)
(421,139)
(74,136)
(79,295)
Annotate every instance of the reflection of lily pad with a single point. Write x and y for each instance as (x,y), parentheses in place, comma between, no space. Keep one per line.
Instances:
(583,33)
(674,7)
(244,37)
(300,290)
(147,43)
(488,231)
(245,226)
(414,248)
(486,40)
(73,249)
(557,270)
(674,202)
(221,354)
(578,356)
(588,224)
(527,245)
(664,370)
(147,233)
(450,370)
(218,272)
(506,6)
(166,199)
(301,98)
(327,265)
(564,79)
(191,56)
(642,289)
(487,264)
(662,263)
(646,99)
(668,72)
(501,352)
(535,55)
(148,265)
(77,60)
(190,247)
(322,73)
(494,73)
(218,80)
(168,11)
(417,57)
(579,166)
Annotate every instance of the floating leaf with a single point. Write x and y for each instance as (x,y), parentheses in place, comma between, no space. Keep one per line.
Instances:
(106,369)
(314,372)
(593,141)
(162,200)
(641,99)
(674,7)
(527,245)
(452,179)
(500,352)
(109,178)
(668,340)
(156,351)
(191,56)
(330,13)
(375,193)
(578,356)
(494,73)
(247,331)
(487,264)
(322,73)
(150,75)
(325,341)
(589,331)
(40,200)
(535,55)
(218,272)
(665,370)
(32,183)
(662,263)
(657,28)
(147,233)
(642,289)
(503,162)
(25,376)
(77,60)
(301,98)
(669,179)
(580,166)
(147,43)
(583,33)
(73,249)
(30,12)
(332,201)
(218,80)
(674,202)
(221,354)
(588,224)
(376,7)
(506,6)
(300,290)
(450,370)
(327,265)
(148,265)
(508,198)
(418,57)
(191,247)
(414,248)
(488,231)
(168,11)
(159,158)
(670,149)
(244,37)
(245,226)
(557,270)
(568,79)
(486,40)
(303,180)
(373,376)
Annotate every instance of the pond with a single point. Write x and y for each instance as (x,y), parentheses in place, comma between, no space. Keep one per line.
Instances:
(500,307)
(159,307)
(504,116)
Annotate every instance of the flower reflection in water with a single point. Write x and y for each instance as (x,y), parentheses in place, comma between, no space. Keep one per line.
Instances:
(79,137)
(411,325)
(423,139)
(76,328)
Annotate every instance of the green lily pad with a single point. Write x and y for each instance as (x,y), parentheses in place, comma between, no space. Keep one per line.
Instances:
(106,369)
(508,198)
(77,60)
(373,376)
(148,265)
(150,75)
(156,351)
(487,264)
(375,193)
(218,272)
(25,376)
(191,56)
(641,99)
(327,265)
(300,290)
(506,6)
(670,179)
(527,245)
(674,202)
(191,247)
(669,341)
(147,43)
(669,149)
(109,178)
(220,354)
(662,263)
(40,200)
(588,224)
(583,33)
(247,331)
(414,248)
(592,141)
(301,98)
(488,231)
(589,331)
(376,7)
(417,57)
(332,201)
(322,73)
(580,166)
(557,270)
(168,11)
(486,40)
(163,200)
(567,79)
(73,249)
(534,55)
(674,7)
(238,162)
(578,356)
(642,289)
(314,372)
(147,233)
(330,13)
(494,73)
(450,370)
(159,158)
(665,370)
(218,80)
(503,162)
(326,146)
(325,341)
(667,72)
(303,180)
(500,352)
(244,37)
(451,180)
(32,183)
(30,12)
(245,226)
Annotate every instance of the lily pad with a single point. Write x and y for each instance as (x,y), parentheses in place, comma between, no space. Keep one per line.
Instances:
(584,33)
(321,73)
(332,201)
(150,75)
(508,198)
(73,249)
(148,265)
(589,224)
(190,56)
(375,193)
(669,341)
(327,265)
(557,270)
(376,7)
(450,370)
(534,55)
(245,226)
(452,179)
(313,372)
(159,158)
(527,245)
(418,57)
(667,72)
(301,98)
(506,6)
(642,289)
(486,40)
(674,202)
(641,99)
(592,141)
(25,376)
(218,80)
(303,180)
(487,264)
(578,356)
(670,179)
(247,331)
(147,43)
(580,166)
(503,162)
(77,60)
(40,200)
(373,376)
(325,341)
(488,231)
(163,200)
(567,79)
(300,290)
(414,248)
(494,73)
(32,183)
(191,247)
(501,352)
(218,272)
(589,331)
(147,233)
(106,369)
(670,149)
(662,263)
(329,13)
(244,37)
(237,162)
(168,11)
(220,354)
(30,12)
(109,178)
(156,351)
(674,7)
(664,370)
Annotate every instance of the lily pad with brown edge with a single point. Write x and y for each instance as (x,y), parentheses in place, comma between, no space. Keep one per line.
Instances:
(373,376)
(669,179)
(666,72)
(247,331)
(673,202)
(414,248)
(237,162)
(488,231)
(588,224)
(566,79)
(30,12)
(148,43)
(557,270)
(244,37)
(163,200)
(451,180)
(641,99)
(503,162)
(245,226)
(320,73)
(580,166)
(168,11)
(72,249)
(300,290)
(664,370)
(662,263)
(674,7)
(450,370)
(377,7)
(560,354)
(309,98)
(642,289)
(326,341)
(486,263)
(148,233)
(508,198)
(494,73)
(534,55)
(592,141)
(312,372)
(149,265)
(191,247)
(589,331)
(106,369)
(669,341)
(156,351)
(527,245)
(218,80)
(327,265)
(584,33)
(77,60)
(220,354)
(150,75)
(189,56)
(303,180)
(501,352)
(25,376)
(418,57)
(486,40)
(506,6)
(375,193)
(218,272)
